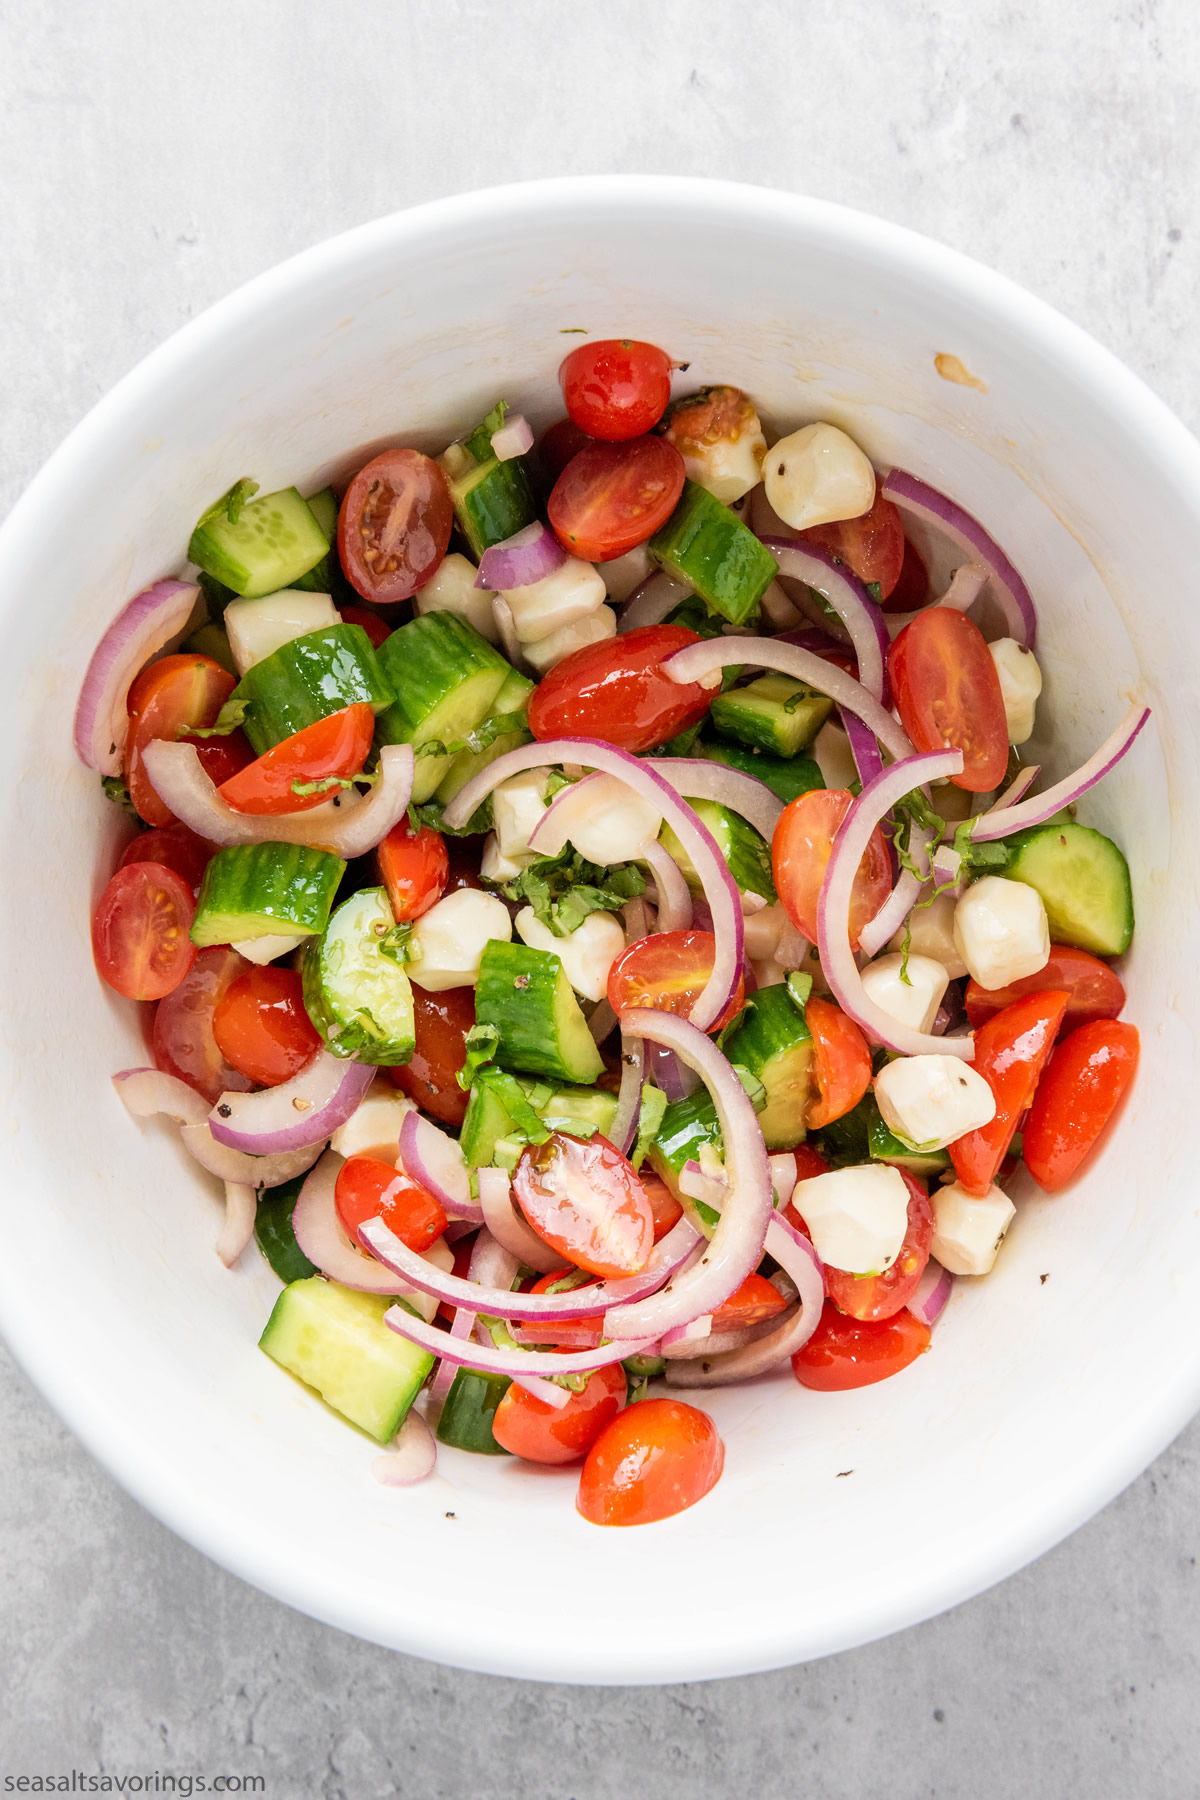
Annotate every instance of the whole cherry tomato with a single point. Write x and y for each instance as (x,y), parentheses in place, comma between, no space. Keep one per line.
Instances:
(654,1460)
(616,388)
(1080,1090)
(849,1353)
(616,691)
(549,1434)
(394,525)
(414,867)
(841,1062)
(948,694)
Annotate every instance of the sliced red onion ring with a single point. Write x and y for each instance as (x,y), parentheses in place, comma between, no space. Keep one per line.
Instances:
(436,1162)
(235,1165)
(903,897)
(833,906)
(863,746)
(667,1257)
(237,1227)
(514,438)
(966,584)
(528,556)
(320,1236)
(696,1184)
(490,1266)
(1017,789)
(569,807)
(687,1337)
(347,827)
(698,779)
(779,610)
(413,1455)
(792,1250)
(675,1079)
(629,1097)
(139,631)
(720,889)
(947,870)
(1003,821)
(508,1228)
(850,601)
(717,1343)
(737,1243)
(515,1363)
(462,1327)
(658,595)
(305,1110)
(144,1092)
(695,661)
(915,496)
(783,1174)
(674,896)
(933,1290)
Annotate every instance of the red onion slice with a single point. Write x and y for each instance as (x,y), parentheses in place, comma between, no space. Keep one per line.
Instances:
(737,1243)
(658,595)
(863,746)
(783,1174)
(519,1364)
(629,1097)
(413,1455)
(1003,821)
(436,1162)
(139,631)
(235,1165)
(966,584)
(681,1349)
(237,1227)
(933,1290)
(305,1110)
(1017,789)
(903,897)
(850,601)
(144,1092)
(833,907)
(508,1228)
(528,556)
(709,657)
(695,778)
(462,1327)
(792,1250)
(514,438)
(347,827)
(936,509)
(674,896)
(720,889)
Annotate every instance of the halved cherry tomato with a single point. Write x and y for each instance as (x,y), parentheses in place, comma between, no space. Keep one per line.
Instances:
(440,1023)
(261,1027)
(669,971)
(1094,990)
(801,848)
(335,746)
(755,1301)
(617,691)
(584,1333)
(849,1353)
(559,443)
(948,694)
(663,1204)
(140,931)
(873,1297)
(912,590)
(872,545)
(654,1460)
(376,628)
(182,1042)
(586,1202)
(1011,1051)
(175,847)
(169,697)
(611,497)
(1076,1097)
(394,525)
(841,1062)
(415,867)
(616,388)
(529,1428)
(367,1188)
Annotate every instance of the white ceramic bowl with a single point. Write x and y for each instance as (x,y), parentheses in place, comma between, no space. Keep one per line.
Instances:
(1051,1384)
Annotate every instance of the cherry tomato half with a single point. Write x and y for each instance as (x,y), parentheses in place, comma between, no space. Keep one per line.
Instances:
(175,847)
(1094,990)
(616,388)
(911,592)
(873,1297)
(261,1027)
(611,497)
(872,545)
(752,1303)
(800,850)
(183,1043)
(948,694)
(616,691)
(586,1202)
(669,971)
(367,1188)
(140,931)
(394,525)
(585,1333)
(440,1023)
(663,1204)
(1077,1095)
(841,1062)
(414,867)
(849,1353)
(654,1460)
(169,697)
(1011,1051)
(550,1434)
(335,746)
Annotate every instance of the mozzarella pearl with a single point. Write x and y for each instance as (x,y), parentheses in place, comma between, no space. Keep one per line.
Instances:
(448,941)
(257,628)
(928,1101)
(546,652)
(932,934)
(562,598)
(373,1128)
(1020,685)
(586,954)
(517,805)
(1001,932)
(857,1217)
(968,1230)
(913,1002)
(452,589)
(817,475)
(616,825)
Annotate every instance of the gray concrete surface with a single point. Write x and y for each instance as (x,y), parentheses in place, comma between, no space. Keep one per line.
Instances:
(152,157)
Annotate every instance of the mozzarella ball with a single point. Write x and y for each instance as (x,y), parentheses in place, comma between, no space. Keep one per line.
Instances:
(968,1229)
(257,628)
(448,941)
(373,1128)
(856,1217)
(1000,931)
(932,934)
(264,950)
(1020,685)
(622,575)
(817,475)
(452,589)
(517,805)
(569,594)
(586,954)
(616,824)
(928,1101)
(543,654)
(913,1002)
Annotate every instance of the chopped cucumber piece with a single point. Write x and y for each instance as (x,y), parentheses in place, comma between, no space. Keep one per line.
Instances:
(306,680)
(686,1126)
(324,509)
(773,713)
(579,1111)
(274,540)
(772,1040)
(489,1124)
(466,1420)
(512,699)
(787,779)
(355,989)
(744,849)
(210,640)
(334,1340)
(492,500)
(885,1147)
(276,1237)
(1084,883)
(525,994)
(265,890)
(446,678)
(708,547)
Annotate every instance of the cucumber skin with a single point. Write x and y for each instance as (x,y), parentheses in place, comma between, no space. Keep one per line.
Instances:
(773,1041)
(886,1148)
(239,554)
(707,546)
(746,852)
(352,1031)
(514,696)
(275,1235)
(445,678)
(488,1120)
(525,994)
(1032,855)
(686,1125)
(787,777)
(466,1421)
(492,502)
(256,890)
(334,1340)
(308,679)
(751,715)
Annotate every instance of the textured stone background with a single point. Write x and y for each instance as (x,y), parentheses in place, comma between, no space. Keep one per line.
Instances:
(151,158)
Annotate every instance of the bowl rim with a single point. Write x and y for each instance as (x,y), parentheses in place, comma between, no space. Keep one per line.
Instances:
(108,1434)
